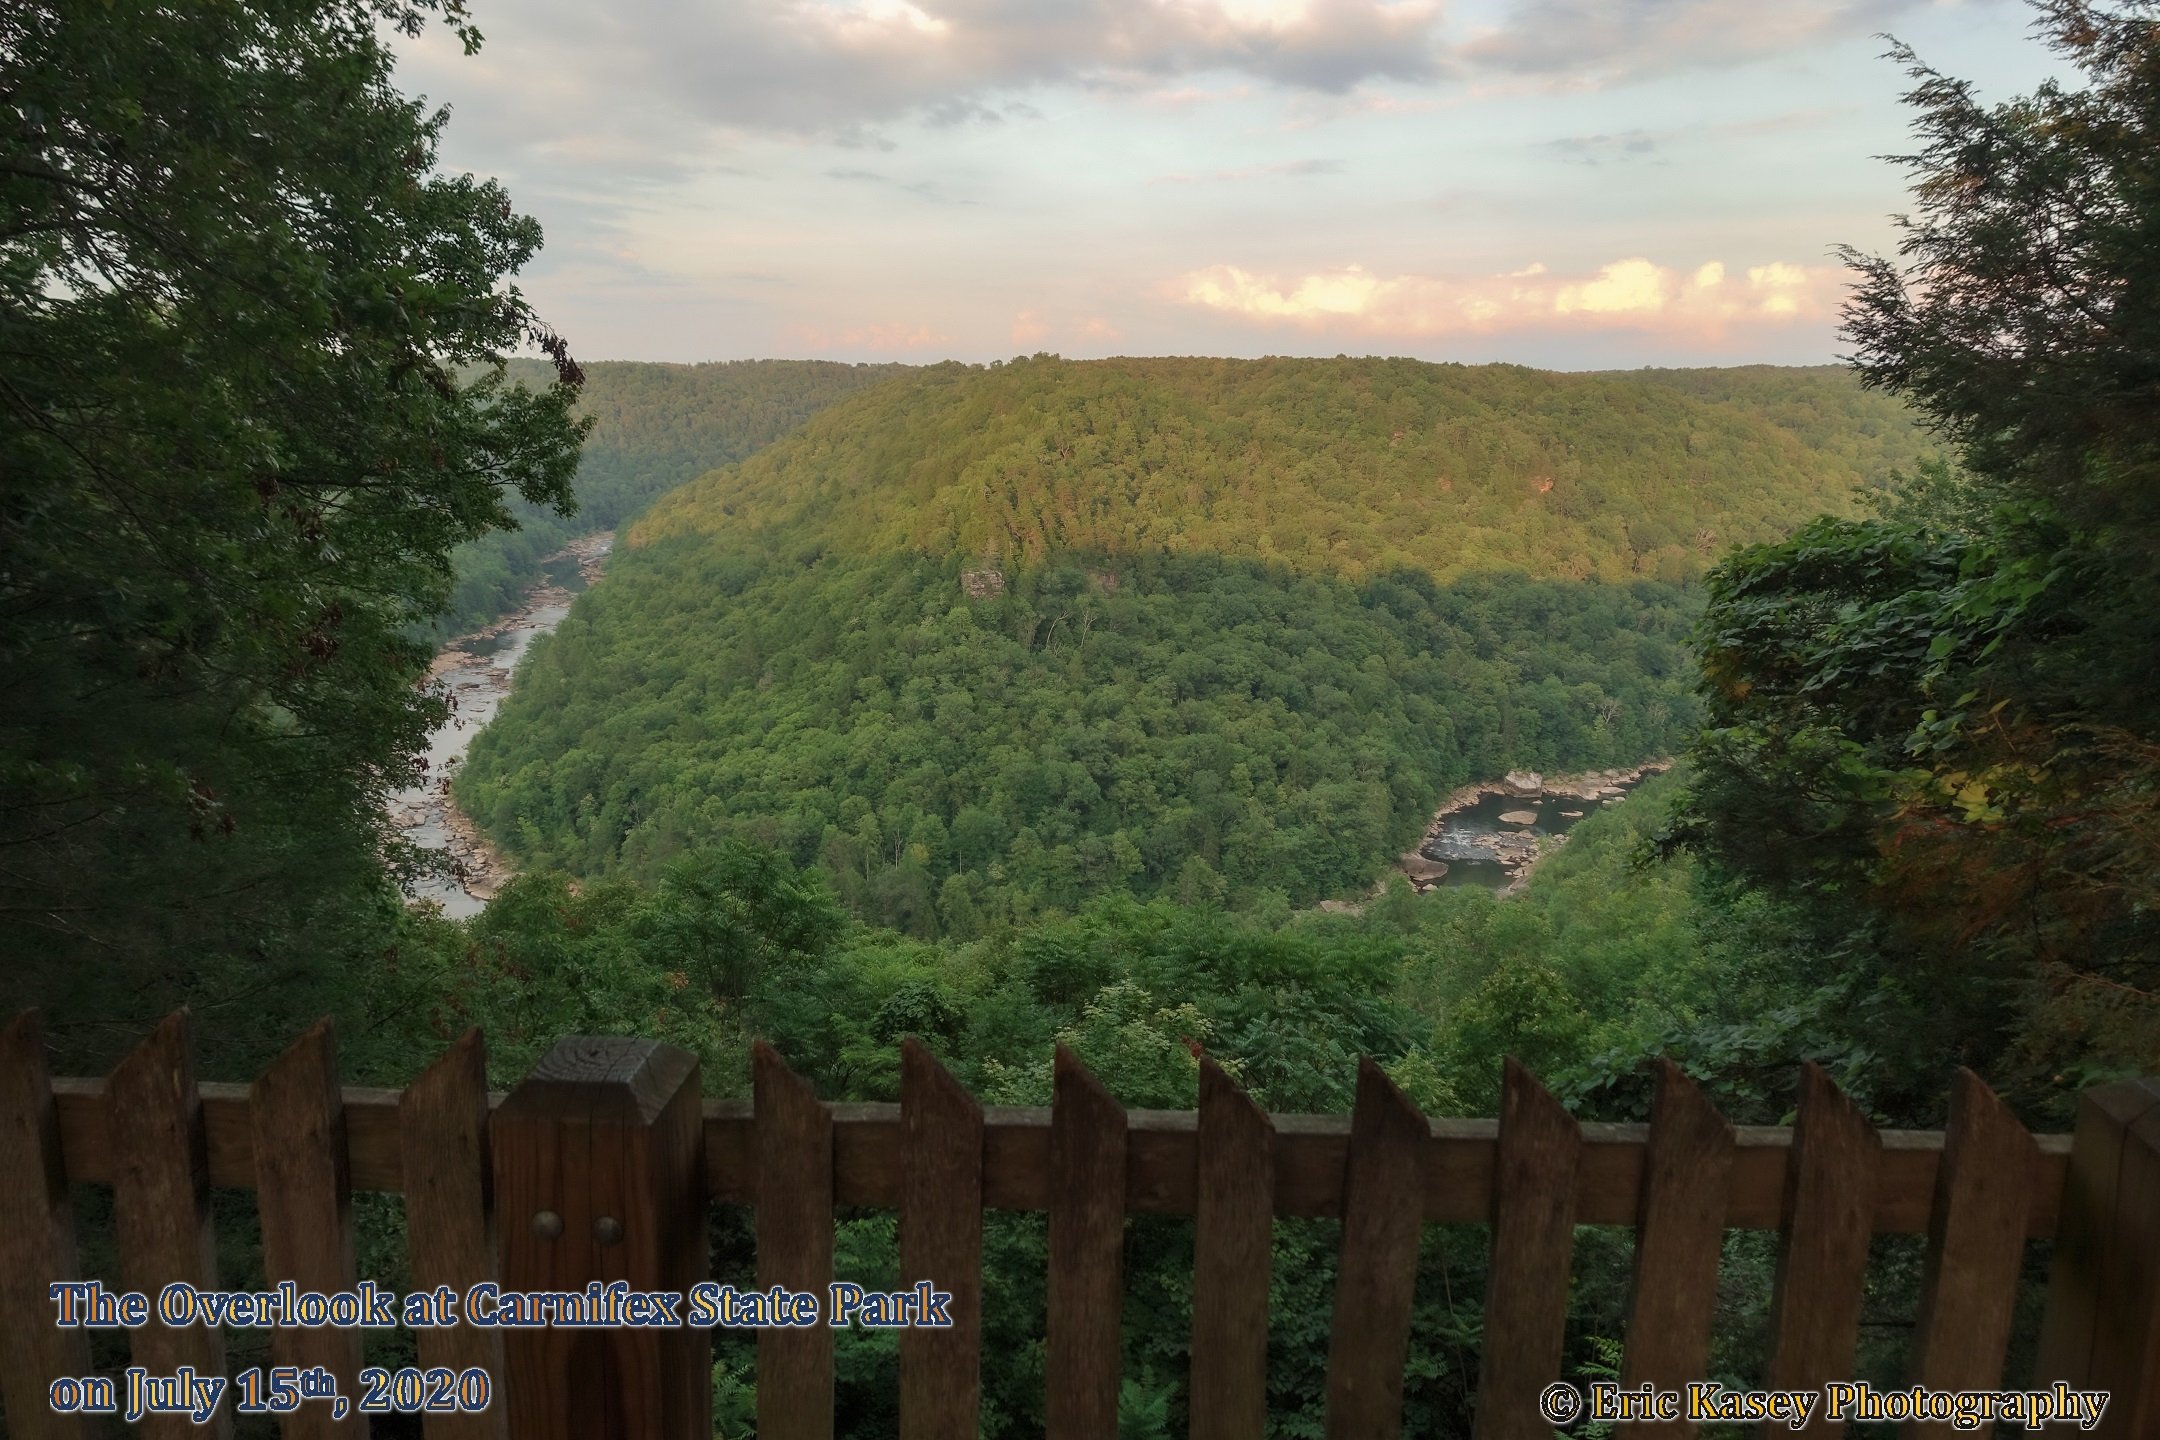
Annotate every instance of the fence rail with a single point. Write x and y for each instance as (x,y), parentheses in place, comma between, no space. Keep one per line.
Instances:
(1161,1173)
(602,1165)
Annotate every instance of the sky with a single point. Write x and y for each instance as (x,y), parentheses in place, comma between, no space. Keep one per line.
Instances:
(1572,184)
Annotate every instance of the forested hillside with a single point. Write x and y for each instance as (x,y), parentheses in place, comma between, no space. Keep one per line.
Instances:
(983,643)
(654,426)
(1349,467)
(1190,726)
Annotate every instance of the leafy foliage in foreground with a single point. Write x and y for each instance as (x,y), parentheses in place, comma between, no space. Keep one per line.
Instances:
(1598,965)
(1352,467)
(1950,709)
(253,401)
(653,428)
(1186,727)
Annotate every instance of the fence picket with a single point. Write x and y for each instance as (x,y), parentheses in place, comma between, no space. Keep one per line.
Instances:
(1533,1240)
(941,1225)
(1233,1235)
(1383,1209)
(1087,1253)
(2102,1328)
(37,1242)
(794,1248)
(443,1143)
(1823,1255)
(1677,1245)
(161,1206)
(1976,1249)
(305,1193)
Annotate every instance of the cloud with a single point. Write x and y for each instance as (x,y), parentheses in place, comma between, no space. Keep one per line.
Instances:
(1310,108)
(879,338)
(922,188)
(819,67)
(1626,145)
(1028,327)
(1601,149)
(1183,97)
(1292,168)
(1633,292)
(1593,42)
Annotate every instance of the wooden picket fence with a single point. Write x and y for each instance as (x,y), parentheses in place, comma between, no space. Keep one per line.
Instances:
(601,1165)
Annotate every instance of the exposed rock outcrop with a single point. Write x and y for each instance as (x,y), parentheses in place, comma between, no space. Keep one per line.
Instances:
(1422,869)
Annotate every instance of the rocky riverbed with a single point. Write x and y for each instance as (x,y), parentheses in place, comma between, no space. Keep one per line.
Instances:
(1493,833)
(475,671)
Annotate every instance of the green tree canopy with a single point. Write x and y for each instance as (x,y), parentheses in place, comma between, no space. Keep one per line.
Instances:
(1348,467)
(253,399)
(1943,723)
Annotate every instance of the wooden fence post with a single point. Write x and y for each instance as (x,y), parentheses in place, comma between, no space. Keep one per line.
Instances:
(600,1176)
(2102,1330)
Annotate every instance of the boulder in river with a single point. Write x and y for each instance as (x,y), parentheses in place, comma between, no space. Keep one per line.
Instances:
(1519,817)
(1524,783)
(1421,870)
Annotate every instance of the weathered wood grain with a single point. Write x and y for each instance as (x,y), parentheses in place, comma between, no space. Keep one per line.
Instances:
(1823,1255)
(37,1242)
(1533,1241)
(941,1227)
(1233,1235)
(599,1176)
(161,1206)
(305,1199)
(1161,1175)
(1377,1274)
(1677,1244)
(1087,1254)
(2102,1329)
(449,1222)
(794,1248)
(1976,1250)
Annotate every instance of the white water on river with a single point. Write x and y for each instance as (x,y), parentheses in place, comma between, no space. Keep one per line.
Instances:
(477,671)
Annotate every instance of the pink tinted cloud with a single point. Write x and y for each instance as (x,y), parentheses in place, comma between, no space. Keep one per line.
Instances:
(1633,293)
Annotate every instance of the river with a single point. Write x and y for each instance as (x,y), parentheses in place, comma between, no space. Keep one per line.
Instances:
(477,671)
(1493,834)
